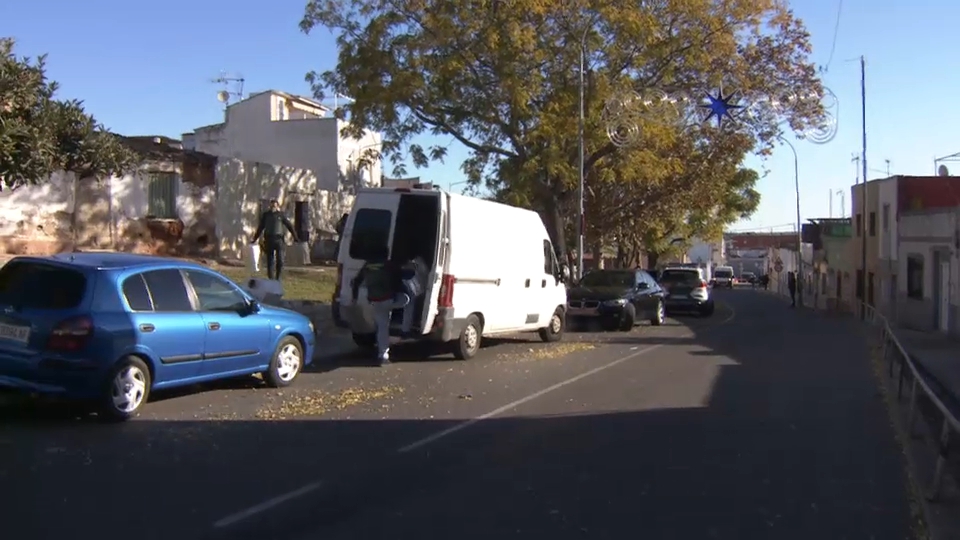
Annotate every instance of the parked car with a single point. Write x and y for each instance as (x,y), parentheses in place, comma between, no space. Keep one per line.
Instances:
(686,290)
(110,328)
(492,268)
(748,277)
(618,298)
(723,277)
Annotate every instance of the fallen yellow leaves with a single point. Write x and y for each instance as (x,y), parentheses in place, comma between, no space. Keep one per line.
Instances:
(549,352)
(319,402)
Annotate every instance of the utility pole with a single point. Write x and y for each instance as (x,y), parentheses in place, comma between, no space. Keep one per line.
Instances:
(581,220)
(863,189)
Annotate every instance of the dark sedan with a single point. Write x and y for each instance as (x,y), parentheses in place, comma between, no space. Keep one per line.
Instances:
(618,298)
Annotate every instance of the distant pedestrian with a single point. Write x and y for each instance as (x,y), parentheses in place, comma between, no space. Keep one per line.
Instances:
(271,226)
(792,287)
(341,225)
(765,281)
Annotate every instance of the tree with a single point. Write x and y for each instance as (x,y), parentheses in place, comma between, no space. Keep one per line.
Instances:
(499,77)
(40,135)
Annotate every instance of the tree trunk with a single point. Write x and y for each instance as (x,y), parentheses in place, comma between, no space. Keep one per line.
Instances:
(652,259)
(554,223)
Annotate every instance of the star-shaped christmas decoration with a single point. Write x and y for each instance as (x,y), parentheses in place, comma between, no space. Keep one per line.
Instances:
(720,106)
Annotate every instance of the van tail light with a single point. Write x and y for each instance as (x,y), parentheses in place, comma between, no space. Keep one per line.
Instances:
(446,291)
(71,334)
(336,288)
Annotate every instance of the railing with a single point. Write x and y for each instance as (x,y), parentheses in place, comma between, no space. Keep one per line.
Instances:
(892,352)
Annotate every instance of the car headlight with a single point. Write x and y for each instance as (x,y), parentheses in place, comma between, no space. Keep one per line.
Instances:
(617,302)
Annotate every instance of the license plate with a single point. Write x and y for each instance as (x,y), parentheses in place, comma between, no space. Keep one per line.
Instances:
(582,311)
(15,333)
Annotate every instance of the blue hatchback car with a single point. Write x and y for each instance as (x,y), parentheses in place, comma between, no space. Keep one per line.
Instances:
(111,327)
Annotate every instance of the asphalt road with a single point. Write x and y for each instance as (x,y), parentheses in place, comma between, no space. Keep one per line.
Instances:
(761,422)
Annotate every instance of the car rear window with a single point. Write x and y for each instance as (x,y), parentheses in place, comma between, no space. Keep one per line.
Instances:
(38,285)
(680,276)
(371,231)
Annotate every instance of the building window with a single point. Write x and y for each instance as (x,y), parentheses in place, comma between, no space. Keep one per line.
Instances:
(915,276)
(859,225)
(873,223)
(162,195)
(886,217)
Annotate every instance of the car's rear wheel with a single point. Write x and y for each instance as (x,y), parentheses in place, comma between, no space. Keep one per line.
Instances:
(467,345)
(286,363)
(127,390)
(659,314)
(554,331)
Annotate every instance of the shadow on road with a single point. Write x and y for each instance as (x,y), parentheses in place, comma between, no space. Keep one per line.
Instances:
(782,436)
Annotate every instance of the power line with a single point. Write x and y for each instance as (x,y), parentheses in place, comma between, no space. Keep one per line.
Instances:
(833,46)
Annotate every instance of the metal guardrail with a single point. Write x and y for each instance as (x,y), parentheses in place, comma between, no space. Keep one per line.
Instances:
(890,344)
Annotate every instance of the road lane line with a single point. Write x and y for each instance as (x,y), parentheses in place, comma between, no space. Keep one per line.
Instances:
(514,404)
(280,499)
(266,505)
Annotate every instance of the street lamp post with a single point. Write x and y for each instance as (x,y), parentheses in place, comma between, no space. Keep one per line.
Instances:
(796,188)
(581,220)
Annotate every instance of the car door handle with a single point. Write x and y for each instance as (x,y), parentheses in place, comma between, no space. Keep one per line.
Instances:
(147,327)
(527,284)
(213,326)
(543,283)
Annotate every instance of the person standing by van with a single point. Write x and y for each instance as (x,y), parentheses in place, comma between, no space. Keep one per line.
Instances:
(383,280)
(415,284)
(272,225)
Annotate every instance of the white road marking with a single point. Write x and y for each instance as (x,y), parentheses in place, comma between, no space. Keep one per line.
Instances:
(514,404)
(266,505)
(280,499)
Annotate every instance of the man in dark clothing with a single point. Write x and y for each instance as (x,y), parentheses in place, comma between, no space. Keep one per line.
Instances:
(383,279)
(272,225)
(792,287)
(341,225)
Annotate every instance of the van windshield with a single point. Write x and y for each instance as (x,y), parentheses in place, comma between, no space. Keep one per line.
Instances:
(721,273)
(41,286)
(371,231)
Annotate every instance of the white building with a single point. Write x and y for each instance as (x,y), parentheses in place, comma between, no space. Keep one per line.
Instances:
(295,132)
(701,252)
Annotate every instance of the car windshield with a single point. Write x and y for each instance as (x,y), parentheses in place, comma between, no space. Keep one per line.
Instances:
(723,273)
(41,286)
(603,278)
(684,277)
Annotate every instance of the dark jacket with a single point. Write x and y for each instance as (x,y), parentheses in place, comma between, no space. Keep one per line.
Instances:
(391,272)
(272,225)
(791,281)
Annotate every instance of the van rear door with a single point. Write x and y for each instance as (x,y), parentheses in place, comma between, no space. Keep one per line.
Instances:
(370,223)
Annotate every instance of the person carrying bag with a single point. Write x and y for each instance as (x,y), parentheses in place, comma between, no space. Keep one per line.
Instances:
(382,279)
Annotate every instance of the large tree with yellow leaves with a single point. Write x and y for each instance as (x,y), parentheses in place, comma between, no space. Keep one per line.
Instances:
(500,77)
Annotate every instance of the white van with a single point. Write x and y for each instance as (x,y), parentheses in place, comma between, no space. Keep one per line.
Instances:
(492,267)
(723,277)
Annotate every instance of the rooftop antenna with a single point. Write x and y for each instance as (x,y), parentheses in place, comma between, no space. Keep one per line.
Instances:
(231,87)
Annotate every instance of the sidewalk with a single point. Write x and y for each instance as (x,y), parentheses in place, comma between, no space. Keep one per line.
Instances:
(939,356)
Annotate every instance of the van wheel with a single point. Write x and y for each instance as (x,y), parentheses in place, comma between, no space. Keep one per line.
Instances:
(554,331)
(365,341)
(126,391)
(468,344)
(628,319)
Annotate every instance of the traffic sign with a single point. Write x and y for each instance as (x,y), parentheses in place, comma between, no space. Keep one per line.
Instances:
(778,266)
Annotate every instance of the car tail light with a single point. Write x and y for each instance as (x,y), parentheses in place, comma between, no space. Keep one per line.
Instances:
(446,291)
(703,285)
(336,287)
(71,334)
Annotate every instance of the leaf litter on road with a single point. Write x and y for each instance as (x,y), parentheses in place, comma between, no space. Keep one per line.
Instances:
(318,403)
(548,352)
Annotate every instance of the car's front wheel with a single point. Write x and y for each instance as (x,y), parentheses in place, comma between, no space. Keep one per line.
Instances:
(128,388)
(286,363)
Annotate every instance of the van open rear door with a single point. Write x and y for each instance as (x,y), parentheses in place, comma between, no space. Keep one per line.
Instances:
(370,223)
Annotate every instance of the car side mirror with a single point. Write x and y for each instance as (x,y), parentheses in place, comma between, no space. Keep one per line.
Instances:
(251,307)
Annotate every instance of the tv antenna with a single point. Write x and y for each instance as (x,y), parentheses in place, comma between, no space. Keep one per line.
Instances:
(231,87)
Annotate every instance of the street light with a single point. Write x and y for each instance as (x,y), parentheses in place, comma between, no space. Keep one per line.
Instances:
(796,188)
(581,220)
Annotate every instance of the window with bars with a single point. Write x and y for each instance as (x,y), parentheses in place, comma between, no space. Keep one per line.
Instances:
(162,195)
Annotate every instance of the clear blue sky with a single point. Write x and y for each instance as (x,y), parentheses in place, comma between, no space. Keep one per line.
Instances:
(144,68)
